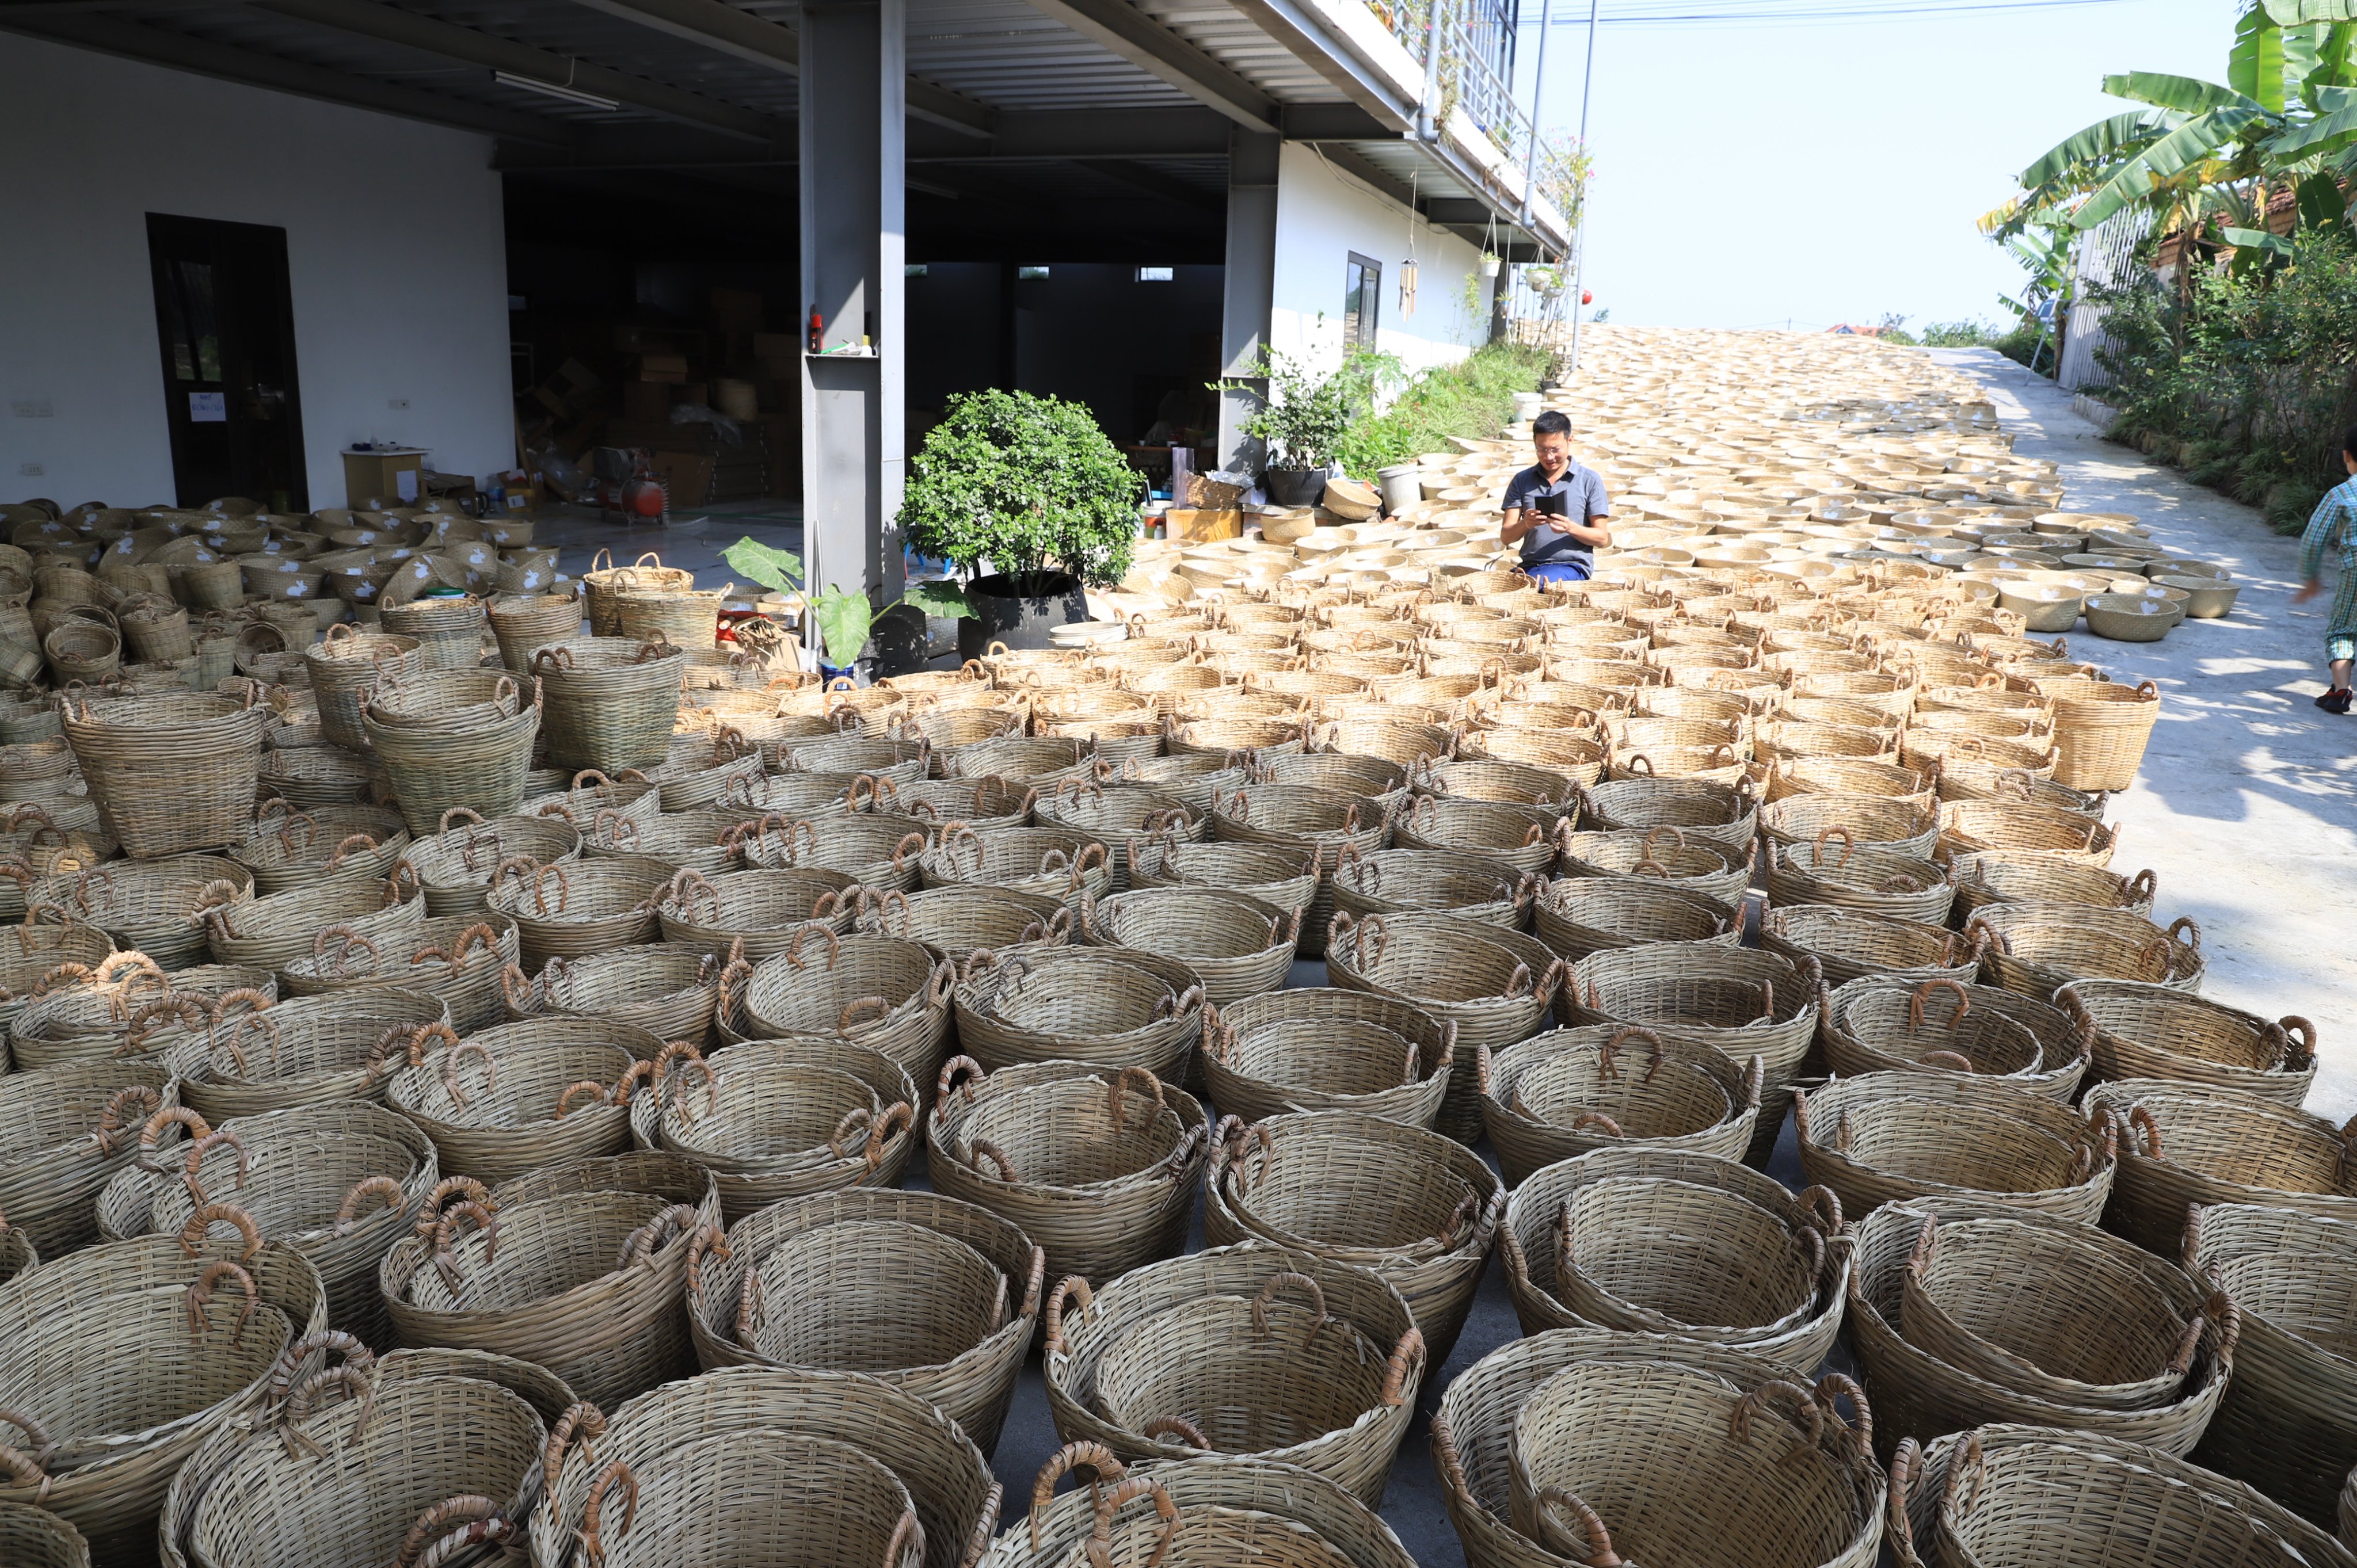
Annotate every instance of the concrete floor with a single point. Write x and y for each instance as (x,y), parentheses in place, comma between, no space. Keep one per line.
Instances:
(2246,809)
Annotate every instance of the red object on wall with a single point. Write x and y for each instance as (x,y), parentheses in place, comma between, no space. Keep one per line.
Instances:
(1586,296)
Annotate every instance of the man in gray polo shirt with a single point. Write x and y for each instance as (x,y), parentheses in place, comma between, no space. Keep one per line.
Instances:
(1557,510)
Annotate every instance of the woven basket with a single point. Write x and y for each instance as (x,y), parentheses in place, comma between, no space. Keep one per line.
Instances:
(1472,1430)
(39,1538)
(1568,1090)
(450,632)
(131,1355)
(964,918)
(2000,877)
(1720,813)
(579,909)
(71,1019)
(600,584)
(1885,1023)
(1101,1173)
(472,752)
(879,992)
(2038,948)
(273,932)
(2187,1144)
(307,1050)
(1870,822)
(984,804)
(1613,1454)
(1328,1050)
(1893,1136)
(336,1184)
(1416,1207)
(169,774)
(722,766)
(2080,1500)
(457,959)
(526,623)
(2101,730)
(789,1500)
(1040,762)
(934,1296)
(1869,881)
(1924,1395)
(590,793)
(1307,821)
(295,849)
(1277,874)
(346,661)
(1684,1243)
(65,1132)
(947,1477)
(1971,827)
(1223,1511)
(592,1284)
(513,1099)
(1108,1008)
(1492,996)
(1236,945)
(1182,1341)
(2159,1032)
(877,852)
(670,992)
(759,909)
(686,616)
(1662,854)
(1849,944)
(608,702)
(1580,915)
(1398,881)
(1514,835)
(1064,863)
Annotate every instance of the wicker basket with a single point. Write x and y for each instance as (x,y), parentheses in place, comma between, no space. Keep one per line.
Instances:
(464,749)
(1236,945)
(1328,1050)
(513,1099)
(2015,827)
(65,1132)
(1213,1346)
(346,661)
(1101,1173)
(933,1296)
(1662,854)
(457,959)
(1924,1395)
(169,774)
(1849,944)
(1893,1136)
(450,632)
(1580,915)
(1885,1024)
(579,909)
(75,1019)
(1416,1207)
(295,849)
(960,920)
(2159,1032)
(1869,881)
(1274,874)
(272,933)
(39,1538)
(1109,1008)
(686,616)
(590,793)
(1307,821)
(1568,1090)
(1868,821)
(2101,730)
(608,702)
(2038,948)
(525,623)
(879,992)
(1398,881)
(2188,1144)
(761,910)
(600,584)
(877,852)
(1724,814)
(984,804)
(338,1185)
(671,993)
(1223,1511)
(1684,1243)
(307,1050)
(2001,877)
(1519,836)
(456,865)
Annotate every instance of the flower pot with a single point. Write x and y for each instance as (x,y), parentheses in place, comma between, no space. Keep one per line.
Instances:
(1019,611)
(1402,486)
(1295,486)
(1490,265)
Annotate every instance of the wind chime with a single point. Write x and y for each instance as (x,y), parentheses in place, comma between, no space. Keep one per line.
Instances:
(1407,267)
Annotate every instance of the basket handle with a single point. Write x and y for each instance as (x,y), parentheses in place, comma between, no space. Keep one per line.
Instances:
(1177,1426)
(2140,1120)
(1283,1281)
(446,1228)
(959,1072)
(580,1419)
(593,1541)
(192,1235)
(1607,1067)
(1123,1492)
(384,1187)
(1906,1466)
(201,1296)
(868,1010)
(708,1238)
(983,1149)
(898,1116)
(1553,1500)
(1071,1285)
(1103,1463)
(432,1541)
(1117,1097)
(1407,1359)
(451,1060)
(151,1133)
(429,1214)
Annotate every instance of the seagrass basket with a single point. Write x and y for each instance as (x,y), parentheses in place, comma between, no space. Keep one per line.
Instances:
(1567,1092)
(1682,1242)
(1219,1345)
(1316,1048)
(1101,1170)
(1893,1136)
(1416,1207)
(933,1296)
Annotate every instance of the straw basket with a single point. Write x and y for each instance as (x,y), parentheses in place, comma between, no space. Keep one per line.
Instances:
(1101,1172)
(1254,1349)
(456,865)
(1416,1207)
(169,774)
(1112,1008)
(513,1099)
(1328,1050)
(2101,730)
(1667,1241)
(934,1296)
(1893,1136)
(1570,1091)
(2187,1144)
(609,703)
(2158,1032)
(1236,945)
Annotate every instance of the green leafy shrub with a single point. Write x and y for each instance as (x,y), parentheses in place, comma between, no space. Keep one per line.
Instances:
(844,619)
(1472,397)
(1024,484)
(1959,335)
(1301,414)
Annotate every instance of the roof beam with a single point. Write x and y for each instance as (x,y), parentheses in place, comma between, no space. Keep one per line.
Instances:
(1155,182)
(223,63)
(1124,30)
(1094,134)
(1348,159)
(1294,26)
(430,35)
(640,145)
(717,25)
(1334,122)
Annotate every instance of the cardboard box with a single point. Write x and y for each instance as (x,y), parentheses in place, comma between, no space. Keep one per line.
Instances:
(1198,525)
(689,474)
(662,366)
(646,399)
(396,477)
(1202,490)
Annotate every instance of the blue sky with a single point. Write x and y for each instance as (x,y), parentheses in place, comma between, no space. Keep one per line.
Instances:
(1747,174)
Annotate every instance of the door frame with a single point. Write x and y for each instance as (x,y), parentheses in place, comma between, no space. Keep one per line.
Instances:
(169,231)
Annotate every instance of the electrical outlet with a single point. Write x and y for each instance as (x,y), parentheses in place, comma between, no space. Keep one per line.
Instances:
(396,402)
(30,470)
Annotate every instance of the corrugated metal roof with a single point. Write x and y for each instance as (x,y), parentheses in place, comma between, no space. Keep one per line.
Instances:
(1010,56)
(1228,35)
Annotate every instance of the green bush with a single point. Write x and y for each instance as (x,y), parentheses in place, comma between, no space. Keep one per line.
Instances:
(1473,397)
(1023,484)
(1959,335)
(2247,379)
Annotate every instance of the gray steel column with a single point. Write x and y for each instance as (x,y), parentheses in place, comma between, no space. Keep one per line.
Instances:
(853,91)
(1251,283)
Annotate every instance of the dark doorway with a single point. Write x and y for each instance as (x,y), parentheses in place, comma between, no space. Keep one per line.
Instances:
(226,320)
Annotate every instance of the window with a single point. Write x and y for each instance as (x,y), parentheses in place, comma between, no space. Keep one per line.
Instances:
(1363,294)
(913,270)
(1032,274)
(1156,275)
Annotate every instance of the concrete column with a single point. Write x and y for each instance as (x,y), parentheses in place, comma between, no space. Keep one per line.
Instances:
(1251,283)
(854,91)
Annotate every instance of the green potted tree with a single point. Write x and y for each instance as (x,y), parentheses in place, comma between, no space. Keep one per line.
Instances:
(1027,497)
(1301,417)
(846,621)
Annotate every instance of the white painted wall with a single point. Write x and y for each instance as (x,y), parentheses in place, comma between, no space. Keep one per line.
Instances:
(1322,215)
(395,249)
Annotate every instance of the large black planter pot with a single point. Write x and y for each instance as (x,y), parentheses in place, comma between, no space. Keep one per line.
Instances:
(1294,486)
(899,640)
(1019,611)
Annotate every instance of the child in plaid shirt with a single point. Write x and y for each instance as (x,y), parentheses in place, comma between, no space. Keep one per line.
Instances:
(2334,522)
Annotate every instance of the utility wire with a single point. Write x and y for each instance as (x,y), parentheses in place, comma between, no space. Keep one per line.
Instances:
(1816,13)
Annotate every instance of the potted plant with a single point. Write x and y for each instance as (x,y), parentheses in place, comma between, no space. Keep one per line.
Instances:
(1027,497)
(1300,418)
(1490,262)
(846,619)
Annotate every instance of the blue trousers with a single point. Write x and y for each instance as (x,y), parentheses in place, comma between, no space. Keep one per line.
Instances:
(1559,572)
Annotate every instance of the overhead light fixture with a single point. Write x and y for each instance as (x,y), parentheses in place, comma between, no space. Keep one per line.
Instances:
(1157,274)
(563,90)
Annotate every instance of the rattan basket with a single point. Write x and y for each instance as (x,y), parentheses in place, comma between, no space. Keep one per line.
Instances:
(1328,1050)
(668,991)
(1236,945)
(1577,916)
(887,994)
(306,1050)
(1222,1511)
(1567,1092)
(1893,1136)
(513,1099)
(2188,1144)
(1112,1008)
(169,774)
(65,1132)
(578,908)
(608,702)
(2147,1031)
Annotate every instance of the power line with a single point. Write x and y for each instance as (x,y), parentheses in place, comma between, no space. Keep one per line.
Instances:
(1753,13)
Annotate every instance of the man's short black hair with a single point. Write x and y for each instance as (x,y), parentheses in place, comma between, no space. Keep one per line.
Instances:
(1554,422)
(2349,441)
